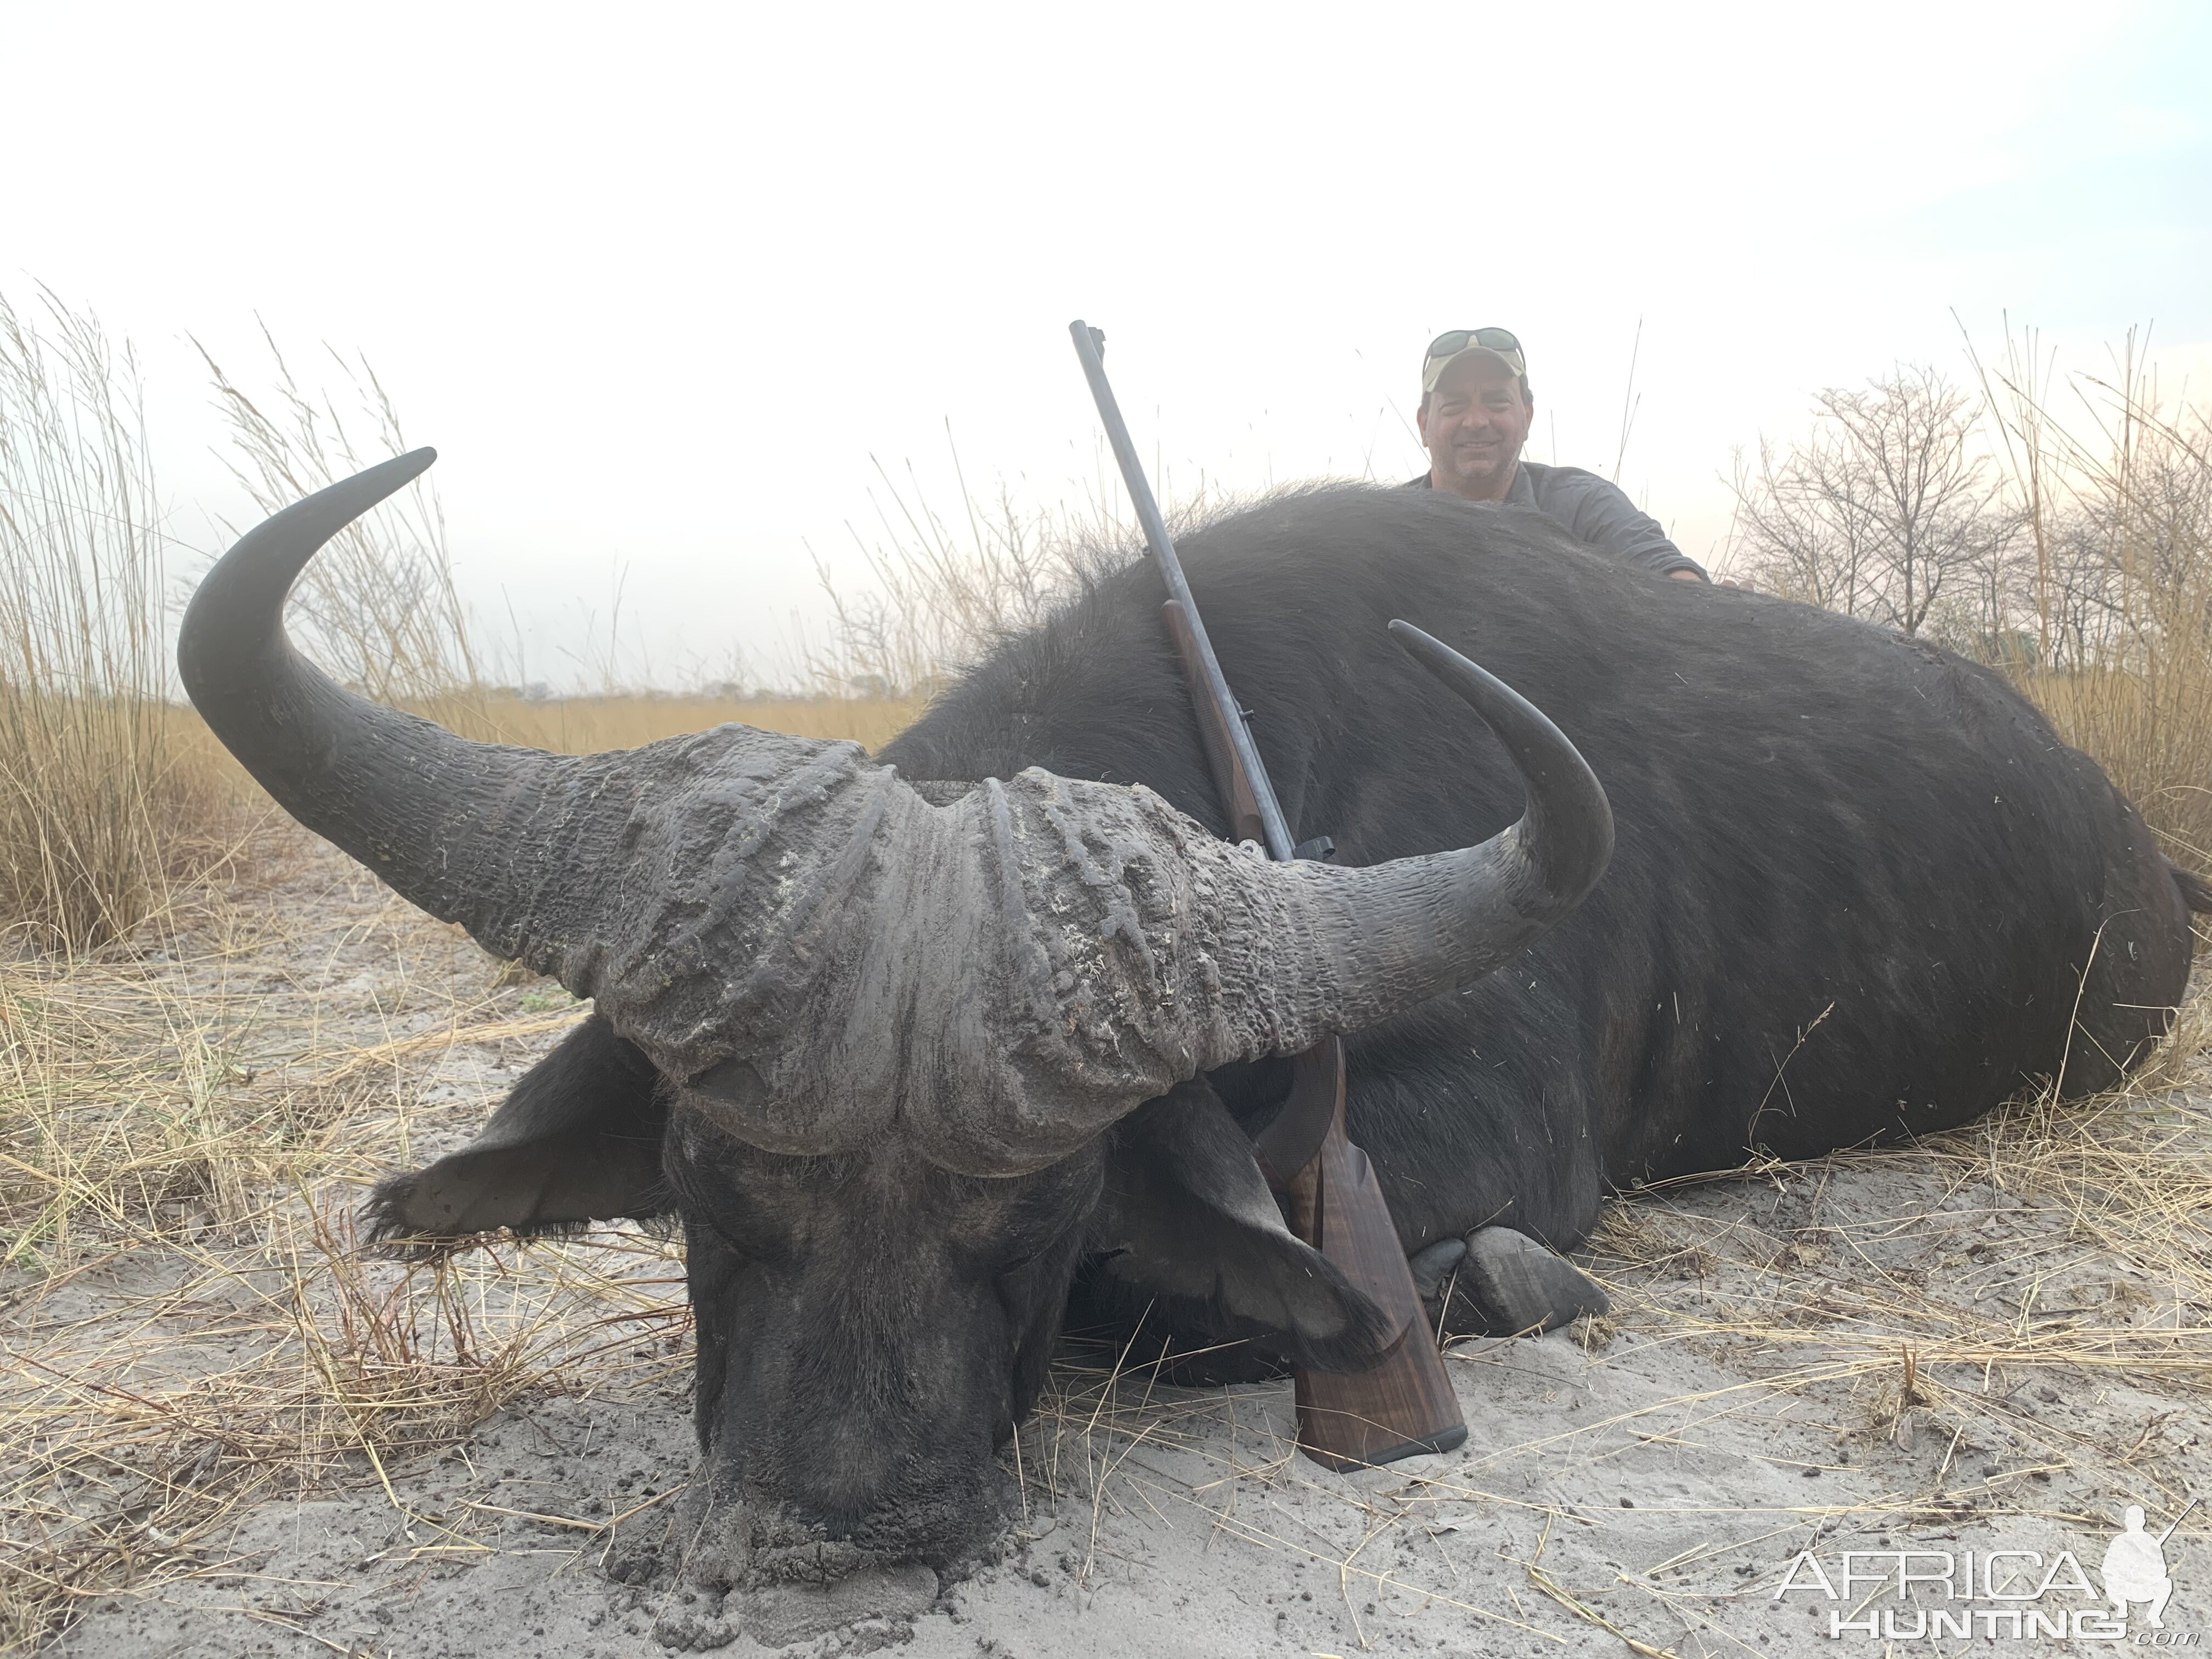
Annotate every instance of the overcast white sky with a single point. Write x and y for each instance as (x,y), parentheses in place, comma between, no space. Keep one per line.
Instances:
(660,281)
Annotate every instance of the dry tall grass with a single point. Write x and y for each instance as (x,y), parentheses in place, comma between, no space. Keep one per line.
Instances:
(95,812)
(108,787)
(942,592)
(581,726)
(2120,593)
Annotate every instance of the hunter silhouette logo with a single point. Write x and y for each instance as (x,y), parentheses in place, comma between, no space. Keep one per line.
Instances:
(2134,1568)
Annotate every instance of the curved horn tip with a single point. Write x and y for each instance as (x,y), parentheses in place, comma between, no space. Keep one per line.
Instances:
(1465,674)
(386,478)
(235,615)
(354,495)
(1470,678)
(329,509)
(1563,793)
(1433,654)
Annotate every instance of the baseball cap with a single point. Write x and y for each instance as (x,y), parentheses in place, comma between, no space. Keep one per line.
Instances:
(1450,346)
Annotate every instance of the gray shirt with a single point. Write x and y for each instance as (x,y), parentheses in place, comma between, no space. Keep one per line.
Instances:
(1592,511)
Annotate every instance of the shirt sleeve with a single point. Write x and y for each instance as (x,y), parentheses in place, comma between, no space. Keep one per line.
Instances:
(1598,513)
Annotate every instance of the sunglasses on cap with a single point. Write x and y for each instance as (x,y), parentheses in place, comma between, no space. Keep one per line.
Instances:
(1452,342)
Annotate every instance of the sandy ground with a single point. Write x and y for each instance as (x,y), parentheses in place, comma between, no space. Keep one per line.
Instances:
(1941,1350)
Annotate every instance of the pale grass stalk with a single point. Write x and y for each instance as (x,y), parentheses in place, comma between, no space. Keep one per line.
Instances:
(2120,507)
(941,593)
(96,812)
(377,609)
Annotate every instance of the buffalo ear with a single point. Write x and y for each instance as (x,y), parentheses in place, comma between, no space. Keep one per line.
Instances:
(1187,1215)
(577,1140)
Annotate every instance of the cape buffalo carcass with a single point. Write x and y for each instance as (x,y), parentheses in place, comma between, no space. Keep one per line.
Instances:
(906,1042)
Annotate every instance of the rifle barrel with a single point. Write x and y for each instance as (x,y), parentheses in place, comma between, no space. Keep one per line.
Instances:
(1087,343)
(2177,1521)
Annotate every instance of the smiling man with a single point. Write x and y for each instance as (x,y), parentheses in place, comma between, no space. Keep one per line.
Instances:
(1474,417)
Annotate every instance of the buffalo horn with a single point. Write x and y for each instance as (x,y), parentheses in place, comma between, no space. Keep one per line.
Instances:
(1347,948)
(675,883)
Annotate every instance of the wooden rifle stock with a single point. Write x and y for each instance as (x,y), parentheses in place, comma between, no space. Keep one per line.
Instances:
(1403,1405)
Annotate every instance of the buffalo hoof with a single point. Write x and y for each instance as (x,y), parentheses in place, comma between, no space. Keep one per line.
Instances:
(1501,1283)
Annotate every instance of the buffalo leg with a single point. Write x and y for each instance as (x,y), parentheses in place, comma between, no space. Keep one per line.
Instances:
(1496,1282)
(577,1140)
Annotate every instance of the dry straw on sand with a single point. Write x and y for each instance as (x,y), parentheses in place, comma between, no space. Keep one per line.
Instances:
(192,1326)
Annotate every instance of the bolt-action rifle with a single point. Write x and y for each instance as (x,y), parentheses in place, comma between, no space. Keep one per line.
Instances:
(1403,1405)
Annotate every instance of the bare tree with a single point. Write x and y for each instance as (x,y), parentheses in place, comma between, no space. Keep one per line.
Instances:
(1792,536)
(1883,508)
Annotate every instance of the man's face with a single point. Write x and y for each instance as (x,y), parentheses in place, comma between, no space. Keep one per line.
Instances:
(1475,423)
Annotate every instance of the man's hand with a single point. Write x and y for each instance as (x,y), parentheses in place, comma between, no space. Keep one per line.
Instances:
(1725,581)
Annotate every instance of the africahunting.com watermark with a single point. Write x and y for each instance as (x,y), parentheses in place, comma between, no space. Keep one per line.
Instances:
(1999,1594)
